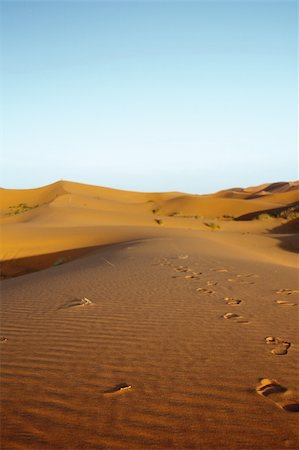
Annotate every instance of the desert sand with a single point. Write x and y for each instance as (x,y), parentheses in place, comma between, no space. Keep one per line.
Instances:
(149,320)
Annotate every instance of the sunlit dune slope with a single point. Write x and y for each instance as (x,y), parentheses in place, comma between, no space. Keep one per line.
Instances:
(68,215)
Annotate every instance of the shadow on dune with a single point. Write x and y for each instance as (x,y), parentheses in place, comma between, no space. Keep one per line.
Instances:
(274,188)
(275,212)
(287,235)
(22,266)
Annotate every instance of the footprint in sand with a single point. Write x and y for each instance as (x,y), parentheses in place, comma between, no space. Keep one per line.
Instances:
(234,317)
(187,277)
(76,302)
(280,395)
(247,275)
(212,283)
(182,269)
(3,339)
(205,291)
(120,388)
(281,346)
(188,270)
(287,291)
(286,303)
(192,276)
(221,269)
(232,301)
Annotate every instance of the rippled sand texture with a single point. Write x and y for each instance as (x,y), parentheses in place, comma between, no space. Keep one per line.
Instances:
(162,320)
(112,352)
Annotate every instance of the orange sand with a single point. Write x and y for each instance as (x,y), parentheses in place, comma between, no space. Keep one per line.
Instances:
(160,337)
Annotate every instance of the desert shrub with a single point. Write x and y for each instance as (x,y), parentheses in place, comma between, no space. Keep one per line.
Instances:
(290,213)
(228,217)
(264,216)
(212,225)
(159,221)
(20,208)
(294,215)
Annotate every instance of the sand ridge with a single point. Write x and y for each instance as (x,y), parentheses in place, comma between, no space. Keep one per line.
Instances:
(68,216)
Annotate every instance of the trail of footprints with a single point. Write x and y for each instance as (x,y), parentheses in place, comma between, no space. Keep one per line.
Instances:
(186,273)
(286,292)
(268,388)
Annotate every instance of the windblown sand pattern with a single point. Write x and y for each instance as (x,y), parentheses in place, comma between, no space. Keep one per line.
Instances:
(192,376)
(110,351)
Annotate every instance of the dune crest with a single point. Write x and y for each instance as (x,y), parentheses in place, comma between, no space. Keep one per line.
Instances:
(68,216)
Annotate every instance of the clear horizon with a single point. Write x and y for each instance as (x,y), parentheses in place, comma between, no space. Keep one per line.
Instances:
(150,96)
(222,188)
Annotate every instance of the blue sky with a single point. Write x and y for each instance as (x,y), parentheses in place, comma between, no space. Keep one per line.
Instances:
(149,95)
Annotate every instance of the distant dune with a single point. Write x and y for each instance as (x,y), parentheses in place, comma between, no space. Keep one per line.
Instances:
(70,216)
(161,320)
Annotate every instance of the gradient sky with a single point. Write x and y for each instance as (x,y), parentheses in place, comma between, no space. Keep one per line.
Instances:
(149,95)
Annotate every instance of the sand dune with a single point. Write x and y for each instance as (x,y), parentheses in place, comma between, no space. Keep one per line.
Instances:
(161,321)
(67,215)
